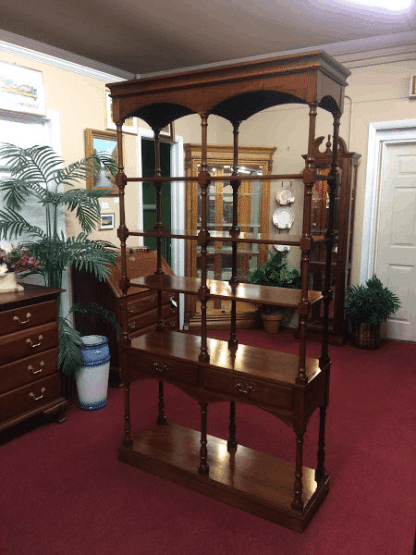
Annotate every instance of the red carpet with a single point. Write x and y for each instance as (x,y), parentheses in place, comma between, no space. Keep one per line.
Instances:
(63,492)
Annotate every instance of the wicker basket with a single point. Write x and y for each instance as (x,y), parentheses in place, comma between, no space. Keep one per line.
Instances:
(366,336)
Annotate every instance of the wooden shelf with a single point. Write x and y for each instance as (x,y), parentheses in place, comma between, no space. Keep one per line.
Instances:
(224,236)
(254,481)
(223,290)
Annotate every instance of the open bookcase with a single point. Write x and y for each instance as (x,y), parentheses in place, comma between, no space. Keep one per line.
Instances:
(290,387)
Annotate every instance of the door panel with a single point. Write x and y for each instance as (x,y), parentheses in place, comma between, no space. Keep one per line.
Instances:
(395,257)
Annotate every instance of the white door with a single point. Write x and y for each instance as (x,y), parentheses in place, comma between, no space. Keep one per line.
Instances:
(395,253)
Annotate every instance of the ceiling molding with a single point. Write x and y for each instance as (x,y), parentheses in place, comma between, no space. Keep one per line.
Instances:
(11,43)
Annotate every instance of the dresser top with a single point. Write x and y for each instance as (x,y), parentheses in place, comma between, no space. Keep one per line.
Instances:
(31,294)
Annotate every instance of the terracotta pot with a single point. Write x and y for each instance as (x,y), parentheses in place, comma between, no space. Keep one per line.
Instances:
(271,322)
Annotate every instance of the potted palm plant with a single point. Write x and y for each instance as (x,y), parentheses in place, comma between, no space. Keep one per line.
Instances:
(275,272)
(37,175)
(366,306)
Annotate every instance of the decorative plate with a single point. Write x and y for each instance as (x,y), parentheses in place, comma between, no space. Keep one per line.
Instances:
(282,248)
(283,218)
(285,196)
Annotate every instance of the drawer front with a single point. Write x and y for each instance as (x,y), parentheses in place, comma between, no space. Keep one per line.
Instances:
(27,343)
(28,370)
(27,317)
(170,324)
(149,318)
(29,397)
(162,368)
(139,305)
(248,389)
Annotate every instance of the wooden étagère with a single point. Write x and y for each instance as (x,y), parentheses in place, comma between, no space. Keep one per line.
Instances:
(290,387)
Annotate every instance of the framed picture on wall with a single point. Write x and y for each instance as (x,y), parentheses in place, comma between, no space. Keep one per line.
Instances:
(107,221)
(101,142)
(129,126)
(21,89)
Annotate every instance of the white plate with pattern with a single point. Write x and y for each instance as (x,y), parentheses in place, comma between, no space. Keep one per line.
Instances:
(283,218)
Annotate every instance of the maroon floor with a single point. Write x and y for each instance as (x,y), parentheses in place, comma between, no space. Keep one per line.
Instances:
(63,492)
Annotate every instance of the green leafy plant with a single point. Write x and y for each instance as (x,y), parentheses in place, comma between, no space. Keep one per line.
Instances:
(37,175)
(370,303)
(275,272)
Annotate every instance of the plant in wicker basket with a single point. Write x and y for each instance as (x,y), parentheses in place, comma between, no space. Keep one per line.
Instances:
(366,306)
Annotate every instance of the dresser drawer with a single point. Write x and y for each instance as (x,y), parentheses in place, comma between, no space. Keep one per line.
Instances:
(27,370)
(170,324)
(27,317)
(27,343)
(247,389)
(29,397)
(138,305)
(149,318)
(161,368)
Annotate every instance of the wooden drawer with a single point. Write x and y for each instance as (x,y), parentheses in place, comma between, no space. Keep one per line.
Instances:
(150,317)
(247,389)
(28,370)
(139,304)
(27,317)
(29,397)
(170,324)
(28,342)
(162,368)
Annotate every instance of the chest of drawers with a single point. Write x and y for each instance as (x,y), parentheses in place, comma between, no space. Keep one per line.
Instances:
(142,304)
(29,379)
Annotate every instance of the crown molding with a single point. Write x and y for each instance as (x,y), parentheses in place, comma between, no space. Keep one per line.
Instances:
(17,45)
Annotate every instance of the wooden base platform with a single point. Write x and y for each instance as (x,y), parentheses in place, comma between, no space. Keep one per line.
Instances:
(255,482)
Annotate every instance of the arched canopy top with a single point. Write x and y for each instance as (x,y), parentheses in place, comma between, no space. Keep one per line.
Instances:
(234,91)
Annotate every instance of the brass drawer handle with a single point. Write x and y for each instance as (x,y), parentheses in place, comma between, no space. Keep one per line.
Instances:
(131,309)
(33,371)
(160,367)
(173,325)
(33,345)
(132,325)
(21,322)
(31,394)
(173,303)
(244,387)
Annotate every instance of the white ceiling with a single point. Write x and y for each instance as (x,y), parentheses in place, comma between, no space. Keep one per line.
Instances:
(142,36)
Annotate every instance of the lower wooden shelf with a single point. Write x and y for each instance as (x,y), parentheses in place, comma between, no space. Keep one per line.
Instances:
(255,482)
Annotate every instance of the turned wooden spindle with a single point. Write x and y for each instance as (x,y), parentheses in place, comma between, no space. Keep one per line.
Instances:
(161,418)
(203,453)
(320,468)
(309,177)
(128,440)
(297,503)
(204,181)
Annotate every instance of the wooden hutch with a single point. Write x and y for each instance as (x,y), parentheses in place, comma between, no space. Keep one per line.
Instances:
(290,387)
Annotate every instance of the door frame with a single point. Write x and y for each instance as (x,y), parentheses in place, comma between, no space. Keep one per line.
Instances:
(177,203)
(380,133)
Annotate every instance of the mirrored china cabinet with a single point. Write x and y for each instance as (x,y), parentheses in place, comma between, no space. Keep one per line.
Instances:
(253,201)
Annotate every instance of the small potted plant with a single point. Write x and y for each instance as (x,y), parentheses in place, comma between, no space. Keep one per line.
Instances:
(275,272)
(366,306)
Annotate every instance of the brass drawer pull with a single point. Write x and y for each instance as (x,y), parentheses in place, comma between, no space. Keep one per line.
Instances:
(33,345)
(132,325)
(244,387)
(21,322)
(160,367)
(33,371)
(31,394)
(131,308)
(173,325)
(173,303)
